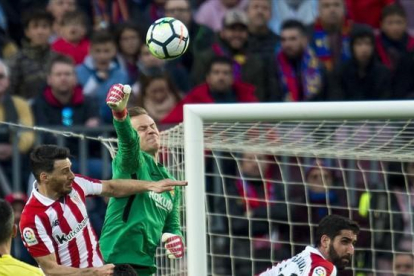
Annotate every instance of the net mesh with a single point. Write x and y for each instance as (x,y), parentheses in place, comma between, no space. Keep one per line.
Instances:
(269,184)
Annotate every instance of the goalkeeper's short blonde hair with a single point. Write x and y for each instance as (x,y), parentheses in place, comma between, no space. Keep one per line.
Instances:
(136,111)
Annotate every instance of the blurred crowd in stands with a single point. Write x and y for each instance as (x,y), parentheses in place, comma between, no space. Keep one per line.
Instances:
(59,58)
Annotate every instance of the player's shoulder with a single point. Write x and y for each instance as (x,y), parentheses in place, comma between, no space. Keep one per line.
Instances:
(320,266)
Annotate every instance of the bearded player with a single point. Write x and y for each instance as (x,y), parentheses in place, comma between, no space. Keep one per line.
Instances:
(135,225)
(336,238)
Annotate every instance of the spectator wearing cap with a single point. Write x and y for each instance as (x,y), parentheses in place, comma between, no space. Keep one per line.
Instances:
(330,33)
(301,75)
(18,250)
(232,42)
(212,12)
(262,40)
(201,36)
(363,77)
(394,47)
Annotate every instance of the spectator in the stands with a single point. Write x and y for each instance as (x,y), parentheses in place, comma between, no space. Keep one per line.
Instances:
(394,46)
(28,66)
(129,42)
(18,250)
(149,65)
(100,71)
(301,75)
(16,110)
(367,11)
(7,47)
(362,77)
(262,40)
(251,204)
(403,264)
(73,41)
(58,8)
(233,43)
(201,36)
(107,13)
(158,95)
(211,13)
(64,103)
(305,11)
(330,33)
(219,87)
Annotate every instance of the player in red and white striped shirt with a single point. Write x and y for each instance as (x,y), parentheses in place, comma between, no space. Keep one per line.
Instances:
(336,237)
(55,225)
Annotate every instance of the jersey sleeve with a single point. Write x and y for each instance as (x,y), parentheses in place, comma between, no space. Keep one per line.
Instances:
(35,236)
(172,224)
(127,158)
(89,186)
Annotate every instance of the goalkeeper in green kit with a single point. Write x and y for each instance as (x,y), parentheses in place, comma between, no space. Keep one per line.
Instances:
(135,225)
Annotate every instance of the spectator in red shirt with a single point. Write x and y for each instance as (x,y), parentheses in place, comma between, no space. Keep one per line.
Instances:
(73,41)
(367,11)
(219,87)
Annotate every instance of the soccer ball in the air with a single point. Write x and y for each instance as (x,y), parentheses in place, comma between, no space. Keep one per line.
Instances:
(167,38)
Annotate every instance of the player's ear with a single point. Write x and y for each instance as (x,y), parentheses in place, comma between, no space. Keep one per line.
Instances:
(14,232)
(43,176)
(325,240)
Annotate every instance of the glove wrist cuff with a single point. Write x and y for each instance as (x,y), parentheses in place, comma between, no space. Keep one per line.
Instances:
(120,115)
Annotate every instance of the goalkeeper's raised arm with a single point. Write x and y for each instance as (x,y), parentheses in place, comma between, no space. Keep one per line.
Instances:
(134,225)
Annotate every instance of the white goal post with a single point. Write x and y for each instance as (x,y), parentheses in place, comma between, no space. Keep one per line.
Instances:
(196,115)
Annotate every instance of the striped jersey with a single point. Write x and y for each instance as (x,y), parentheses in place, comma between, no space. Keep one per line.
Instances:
(309,262)
(62,226)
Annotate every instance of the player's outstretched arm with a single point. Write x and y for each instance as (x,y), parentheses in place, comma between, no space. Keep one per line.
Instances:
(50,267)
(128,140)
(126,187)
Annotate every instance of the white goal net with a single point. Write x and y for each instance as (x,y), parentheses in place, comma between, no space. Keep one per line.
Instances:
(268,183)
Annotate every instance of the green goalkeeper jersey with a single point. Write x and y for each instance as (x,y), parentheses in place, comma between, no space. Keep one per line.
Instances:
(134,225)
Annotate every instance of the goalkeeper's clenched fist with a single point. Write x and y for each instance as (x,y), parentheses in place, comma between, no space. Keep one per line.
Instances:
(117,99)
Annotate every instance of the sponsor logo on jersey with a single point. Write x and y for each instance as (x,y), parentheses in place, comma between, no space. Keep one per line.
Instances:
(319,271)
(29,236)
(72,234)
(161,202)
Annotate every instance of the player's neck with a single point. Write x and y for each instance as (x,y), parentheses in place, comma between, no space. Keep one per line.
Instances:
(323,253)
(5,248)
(42,189)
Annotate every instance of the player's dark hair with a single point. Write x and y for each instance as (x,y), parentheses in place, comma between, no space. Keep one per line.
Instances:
(294,24)
(42,158)
(102,37)
(75,17)
(219,60)
(37,16)
(6,221)
(136,111)
(59,59)
(332,225)
(124,270)
(394,9)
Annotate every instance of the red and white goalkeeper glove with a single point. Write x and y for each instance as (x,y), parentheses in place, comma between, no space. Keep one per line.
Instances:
(174,247)
(117,99)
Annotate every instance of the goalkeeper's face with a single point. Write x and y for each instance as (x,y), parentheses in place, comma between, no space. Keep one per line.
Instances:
(341,249)
(148,133)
